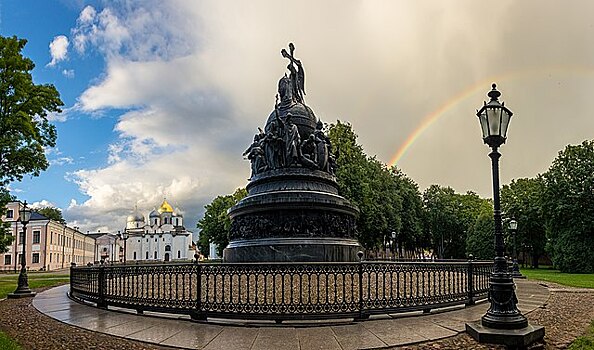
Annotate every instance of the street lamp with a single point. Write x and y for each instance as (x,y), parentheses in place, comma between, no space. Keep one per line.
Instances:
(23,283)
(125,238)
(513,228)
(394,240)
(503,322)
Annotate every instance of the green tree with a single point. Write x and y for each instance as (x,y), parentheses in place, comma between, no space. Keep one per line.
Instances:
(442,223)
(410,214)
(367,183)
(449,217)
(216,223)
(568,202)
(52,213)
(25,131)
(522,200)
(480,238)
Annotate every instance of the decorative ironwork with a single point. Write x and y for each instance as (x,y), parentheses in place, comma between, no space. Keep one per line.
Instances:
(283,291)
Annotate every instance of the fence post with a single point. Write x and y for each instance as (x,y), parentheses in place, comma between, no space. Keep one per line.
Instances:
(197,314)
(102,286)
(470,281)
(362,314)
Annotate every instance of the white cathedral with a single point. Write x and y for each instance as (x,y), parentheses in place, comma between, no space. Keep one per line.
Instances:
(162,238)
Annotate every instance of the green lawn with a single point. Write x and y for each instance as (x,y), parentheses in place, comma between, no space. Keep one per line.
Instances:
(8,282)
(568,279)
(8,344)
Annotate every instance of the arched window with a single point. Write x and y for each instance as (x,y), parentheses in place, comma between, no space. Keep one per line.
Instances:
(155,255)
(147,255)
(179,254)
(167,248)
(134,255)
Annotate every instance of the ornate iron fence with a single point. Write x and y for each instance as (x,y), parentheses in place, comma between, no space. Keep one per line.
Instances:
(282,291)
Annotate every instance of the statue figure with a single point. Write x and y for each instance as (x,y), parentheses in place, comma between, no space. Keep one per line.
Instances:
(255,154)
(297,76)
(273,147)
(292,141)
(322,147)
(285,90)
(309,153)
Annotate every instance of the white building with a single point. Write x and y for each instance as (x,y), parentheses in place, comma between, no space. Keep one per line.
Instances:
(49,244)
(108,247)
(162,238)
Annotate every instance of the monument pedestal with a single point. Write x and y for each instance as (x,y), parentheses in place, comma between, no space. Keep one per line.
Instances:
(292,250)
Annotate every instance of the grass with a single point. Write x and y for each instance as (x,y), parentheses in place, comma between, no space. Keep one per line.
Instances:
(585,342)
(8,344)
(8,282)
(567,279)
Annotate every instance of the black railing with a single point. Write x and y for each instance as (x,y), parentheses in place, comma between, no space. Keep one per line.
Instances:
(283,291)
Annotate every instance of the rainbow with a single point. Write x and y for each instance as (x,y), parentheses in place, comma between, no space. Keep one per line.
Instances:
(432,117)
(485,85)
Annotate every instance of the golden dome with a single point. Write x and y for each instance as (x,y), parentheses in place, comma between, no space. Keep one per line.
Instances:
(165,207)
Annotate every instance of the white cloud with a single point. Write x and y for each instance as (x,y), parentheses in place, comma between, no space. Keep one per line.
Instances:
(42,204)
(87,15)
(63,116)
(68,73)
(13,189)
(61,161)
(58,49)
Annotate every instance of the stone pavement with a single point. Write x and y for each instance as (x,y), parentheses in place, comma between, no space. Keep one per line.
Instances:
(178,331)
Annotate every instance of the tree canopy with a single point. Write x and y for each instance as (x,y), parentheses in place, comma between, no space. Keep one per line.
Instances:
(25,131)
(522,200)
(568,202)
(52,213)
(369,184)
(216,223)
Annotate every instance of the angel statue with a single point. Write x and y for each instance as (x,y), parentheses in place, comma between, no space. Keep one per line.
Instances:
(297,75)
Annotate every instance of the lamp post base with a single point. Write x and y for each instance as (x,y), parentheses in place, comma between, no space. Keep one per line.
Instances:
(16,295)
(22,290)
(517,275)
(512,338)
(516,271)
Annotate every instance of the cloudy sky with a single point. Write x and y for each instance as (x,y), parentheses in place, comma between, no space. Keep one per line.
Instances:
(162,97)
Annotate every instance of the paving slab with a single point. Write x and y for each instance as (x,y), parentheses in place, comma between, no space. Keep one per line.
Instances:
(233,338)
(156,333)
(356,336)
(178,331)
(272,338)
(193,337)
(129,328)
(319,338)
(105,321)
(392,332)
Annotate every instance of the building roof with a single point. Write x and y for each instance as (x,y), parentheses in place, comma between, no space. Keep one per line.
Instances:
(165,207)
(36,216)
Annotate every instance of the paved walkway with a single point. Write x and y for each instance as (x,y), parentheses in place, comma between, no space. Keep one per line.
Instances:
(378,332)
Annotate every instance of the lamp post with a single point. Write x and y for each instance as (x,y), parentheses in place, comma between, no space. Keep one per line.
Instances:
(22,289)
(513,228)
(125,238)
(503,322)
(393,241)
